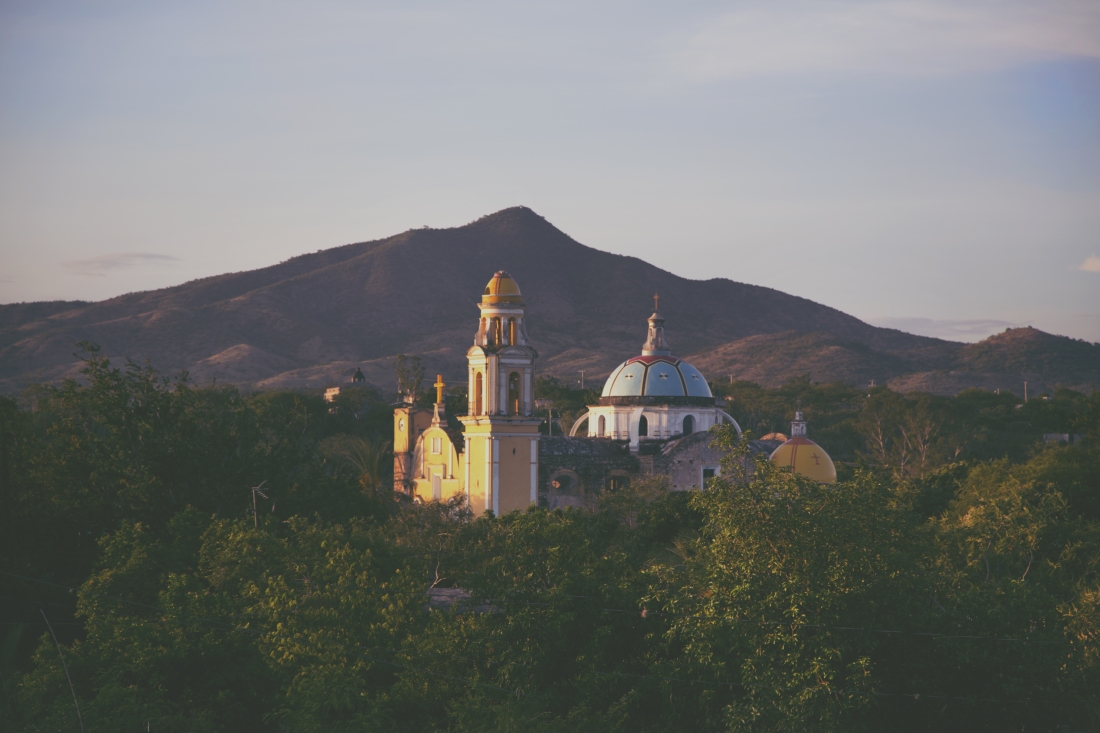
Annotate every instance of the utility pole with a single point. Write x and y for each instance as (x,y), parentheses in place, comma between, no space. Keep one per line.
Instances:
(1025,391)
(582,379)
(257,490)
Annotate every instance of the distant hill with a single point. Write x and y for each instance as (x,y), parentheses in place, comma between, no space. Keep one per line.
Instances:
(309,321)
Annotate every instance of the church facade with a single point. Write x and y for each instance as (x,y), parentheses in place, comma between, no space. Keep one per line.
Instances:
(651,418)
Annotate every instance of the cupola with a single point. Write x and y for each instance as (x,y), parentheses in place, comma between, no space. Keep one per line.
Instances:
(804,456)
(656,375)
(502,289)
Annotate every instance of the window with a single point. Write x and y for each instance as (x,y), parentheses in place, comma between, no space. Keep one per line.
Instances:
(709,472)
(437,445)
(617,481)
(643,426)
(601,426)
(478,408)
(401,425)
(689,425)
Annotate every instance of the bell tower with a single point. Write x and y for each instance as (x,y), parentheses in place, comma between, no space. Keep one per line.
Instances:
(501,431)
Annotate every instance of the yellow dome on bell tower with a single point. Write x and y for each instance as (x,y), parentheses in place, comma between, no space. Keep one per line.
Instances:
(501,289)
(804,456)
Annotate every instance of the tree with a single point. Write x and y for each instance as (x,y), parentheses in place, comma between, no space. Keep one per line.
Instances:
(410,375)
(758,605)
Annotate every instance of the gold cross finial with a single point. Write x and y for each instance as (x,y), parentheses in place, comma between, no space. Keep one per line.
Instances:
(656,298)
(438,387)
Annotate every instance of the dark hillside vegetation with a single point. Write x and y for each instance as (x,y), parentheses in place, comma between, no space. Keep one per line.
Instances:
(950,581)
(312,320)
(1029,350)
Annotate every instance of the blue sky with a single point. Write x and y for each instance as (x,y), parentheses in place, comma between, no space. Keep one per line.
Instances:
(923,164)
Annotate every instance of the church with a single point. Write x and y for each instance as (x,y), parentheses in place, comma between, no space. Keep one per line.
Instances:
(652,418)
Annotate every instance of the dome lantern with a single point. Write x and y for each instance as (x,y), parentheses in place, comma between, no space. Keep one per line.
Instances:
(655,344)
(798,425)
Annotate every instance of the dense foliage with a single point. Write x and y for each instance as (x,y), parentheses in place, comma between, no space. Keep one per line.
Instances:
(949,583)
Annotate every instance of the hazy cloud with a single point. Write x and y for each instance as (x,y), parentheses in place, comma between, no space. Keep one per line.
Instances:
(100,265)
(906,37)
(964,330)
(1091,264)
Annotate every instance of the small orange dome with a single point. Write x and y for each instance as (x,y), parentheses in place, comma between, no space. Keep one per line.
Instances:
(501,289)
(807,458)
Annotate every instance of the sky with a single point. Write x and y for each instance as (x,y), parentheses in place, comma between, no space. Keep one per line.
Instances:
(929,165)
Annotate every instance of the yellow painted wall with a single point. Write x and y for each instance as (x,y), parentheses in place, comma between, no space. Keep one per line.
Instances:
(477,461)
(449,488)
(515,474)
(416,420)
(449,463)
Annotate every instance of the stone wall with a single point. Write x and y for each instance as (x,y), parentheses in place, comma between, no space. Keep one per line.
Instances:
(572,471)
(688,461)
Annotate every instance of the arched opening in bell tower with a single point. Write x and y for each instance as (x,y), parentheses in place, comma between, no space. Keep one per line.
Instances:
(643,426)
(479,406)
(513,393)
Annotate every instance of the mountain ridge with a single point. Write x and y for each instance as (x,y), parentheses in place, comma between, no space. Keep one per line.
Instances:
(319,313)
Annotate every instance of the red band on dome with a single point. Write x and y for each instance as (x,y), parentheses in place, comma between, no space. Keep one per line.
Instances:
(650,360)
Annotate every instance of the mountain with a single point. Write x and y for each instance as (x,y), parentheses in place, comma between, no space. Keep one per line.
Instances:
(309,321)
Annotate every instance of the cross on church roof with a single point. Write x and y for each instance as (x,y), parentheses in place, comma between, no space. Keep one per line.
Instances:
(656,299)
(438,387)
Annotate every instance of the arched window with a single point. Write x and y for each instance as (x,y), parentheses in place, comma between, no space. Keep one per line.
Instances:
(479,408)
(601,426)
(643,426)
(513,393)
(512,331)
(689,425)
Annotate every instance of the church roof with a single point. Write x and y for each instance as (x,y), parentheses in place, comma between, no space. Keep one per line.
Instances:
(656,373)
(764,447)
(501,289)
(558,445)
(807,458)
(656,376)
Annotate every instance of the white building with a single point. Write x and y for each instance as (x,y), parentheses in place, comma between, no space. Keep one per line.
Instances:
(655,396)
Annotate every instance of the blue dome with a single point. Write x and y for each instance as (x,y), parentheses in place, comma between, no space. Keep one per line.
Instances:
(656,376)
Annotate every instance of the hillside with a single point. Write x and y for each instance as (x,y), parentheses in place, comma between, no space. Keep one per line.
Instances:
(309,321)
